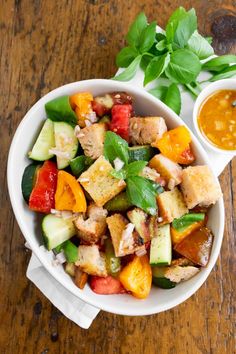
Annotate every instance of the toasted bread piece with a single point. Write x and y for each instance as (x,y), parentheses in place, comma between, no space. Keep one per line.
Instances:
(171,205)
(145,130)
(199,186)
(91,261)
(141,222)
(169,170)
(92,139)
(90,230)
(178,274)
(125,241)
(99,183)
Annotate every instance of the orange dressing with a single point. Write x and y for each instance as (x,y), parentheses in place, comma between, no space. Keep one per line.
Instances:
(217,119)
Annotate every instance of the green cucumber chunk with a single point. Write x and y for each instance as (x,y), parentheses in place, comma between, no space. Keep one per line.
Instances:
(56,230)
(59,110)
(44,143)
(161,249)
(159,279)
(118,203)
(28,180)
(79,164)
(143,153)
(70,251)
(66,143)
(112,262)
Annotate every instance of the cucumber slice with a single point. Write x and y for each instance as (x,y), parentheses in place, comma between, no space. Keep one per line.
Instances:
(28,180)
(44,143)
(79,164)
(118,203)
(143,153)
(159,279)
(56,230)
(161,251)
(66,143)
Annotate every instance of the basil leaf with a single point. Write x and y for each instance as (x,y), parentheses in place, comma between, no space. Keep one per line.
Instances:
(200,46)
(59,110)
(135,167)
(225,74)
(186,220)
(173,98)
(219,61)
(173,22)
(121,174)
(130,71)
(137,27)
(147,37)
(185,28)
(115,146)
(156,67)
(161,45)
(159,92)
(184,66)
(125,57)
(140,193)
(146,58)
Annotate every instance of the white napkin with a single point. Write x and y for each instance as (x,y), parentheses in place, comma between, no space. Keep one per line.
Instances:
(72,307)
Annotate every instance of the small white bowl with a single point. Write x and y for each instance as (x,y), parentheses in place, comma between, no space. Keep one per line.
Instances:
(159,300)
(226,84)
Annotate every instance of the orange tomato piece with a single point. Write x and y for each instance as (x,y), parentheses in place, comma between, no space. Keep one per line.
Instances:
(81,104)
(173,143)
(136,277)
(178,236)
(69,194)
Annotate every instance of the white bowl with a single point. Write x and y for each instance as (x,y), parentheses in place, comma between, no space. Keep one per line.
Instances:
(145,104)
(226,84)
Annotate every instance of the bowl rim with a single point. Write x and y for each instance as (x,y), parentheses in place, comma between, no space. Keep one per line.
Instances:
(35,248)
(206,92)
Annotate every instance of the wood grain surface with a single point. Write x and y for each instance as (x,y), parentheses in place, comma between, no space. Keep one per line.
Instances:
(45,44)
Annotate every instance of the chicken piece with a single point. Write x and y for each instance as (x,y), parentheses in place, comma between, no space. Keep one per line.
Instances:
(169,170)
(146,130)
(199,186)
(171,205)
(125,241)
(99,183)
(91,261)
(178,274)
(92,139)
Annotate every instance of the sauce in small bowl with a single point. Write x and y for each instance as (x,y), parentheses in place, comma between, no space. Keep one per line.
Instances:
(217,119)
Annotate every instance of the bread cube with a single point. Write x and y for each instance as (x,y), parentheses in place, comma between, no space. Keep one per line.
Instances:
(92,139)
(171,205)
(146,130)
(169,170)
(91,261)
(125,241)
(199,186)
(99,183)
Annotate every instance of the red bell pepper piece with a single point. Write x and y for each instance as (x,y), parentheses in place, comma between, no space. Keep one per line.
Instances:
(120,115)
(42,196)
(106,285)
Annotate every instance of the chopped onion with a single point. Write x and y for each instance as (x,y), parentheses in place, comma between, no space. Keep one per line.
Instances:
(77,130)
(60,257)
(59,153)
(141,252)
(160,219)
(87,123)
(118,163)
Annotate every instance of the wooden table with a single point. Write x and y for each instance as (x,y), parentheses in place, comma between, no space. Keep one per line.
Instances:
(45,44)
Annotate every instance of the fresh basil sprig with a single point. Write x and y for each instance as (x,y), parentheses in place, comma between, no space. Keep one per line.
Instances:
(175,54)
(186,220)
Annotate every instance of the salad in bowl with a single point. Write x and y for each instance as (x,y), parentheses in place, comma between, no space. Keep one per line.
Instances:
(115,197)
